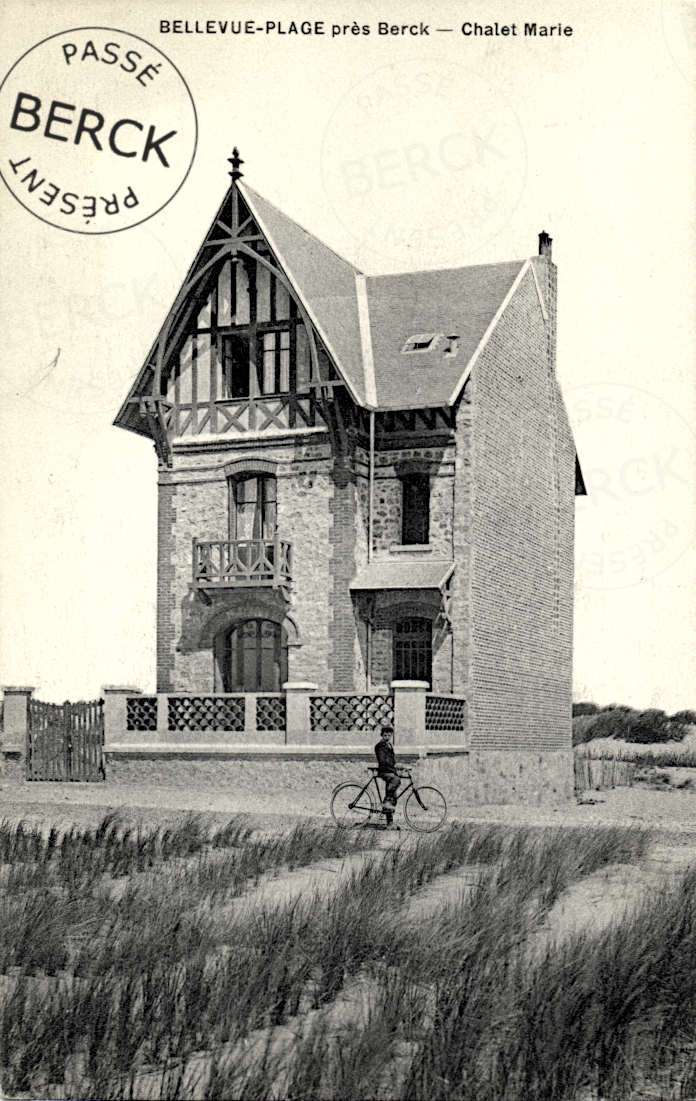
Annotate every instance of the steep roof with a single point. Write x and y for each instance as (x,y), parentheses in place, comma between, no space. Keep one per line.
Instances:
(461,302)
(365,321)
(324,281)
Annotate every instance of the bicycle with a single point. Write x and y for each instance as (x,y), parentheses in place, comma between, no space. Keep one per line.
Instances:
(352,804)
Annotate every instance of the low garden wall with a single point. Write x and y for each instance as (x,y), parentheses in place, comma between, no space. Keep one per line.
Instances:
(299,737)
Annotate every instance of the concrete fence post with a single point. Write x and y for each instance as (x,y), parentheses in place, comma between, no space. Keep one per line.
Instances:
(409,711)
(115,724)
(15,723)
(250,715)
(298,726)
(162,714)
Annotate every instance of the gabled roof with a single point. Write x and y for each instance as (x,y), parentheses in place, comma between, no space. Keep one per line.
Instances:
(365,321)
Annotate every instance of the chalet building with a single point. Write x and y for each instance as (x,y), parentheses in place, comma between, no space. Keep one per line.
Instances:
(363,479)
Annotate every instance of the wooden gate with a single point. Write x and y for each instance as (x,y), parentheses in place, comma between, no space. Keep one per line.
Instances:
(64,741)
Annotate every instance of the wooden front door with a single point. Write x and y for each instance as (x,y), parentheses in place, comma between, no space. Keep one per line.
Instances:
(255,657)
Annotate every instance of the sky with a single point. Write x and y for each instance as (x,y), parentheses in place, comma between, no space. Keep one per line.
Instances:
(402,152)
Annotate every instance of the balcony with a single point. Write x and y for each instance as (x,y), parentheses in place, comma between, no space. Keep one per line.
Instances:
(242,563)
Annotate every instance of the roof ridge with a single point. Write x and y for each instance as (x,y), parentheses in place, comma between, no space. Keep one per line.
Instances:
(299,226)
(432,271)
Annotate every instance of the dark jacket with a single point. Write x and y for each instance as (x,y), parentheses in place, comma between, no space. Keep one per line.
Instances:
(385,758)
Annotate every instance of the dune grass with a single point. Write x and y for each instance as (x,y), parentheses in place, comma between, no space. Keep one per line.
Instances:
(103,983)
(658,755)
(600,1016)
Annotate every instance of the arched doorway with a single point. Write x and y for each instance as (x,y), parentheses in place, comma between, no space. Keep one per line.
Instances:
(254,657)
(413,649)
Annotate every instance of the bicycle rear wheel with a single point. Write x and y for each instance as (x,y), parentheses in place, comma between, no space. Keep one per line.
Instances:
(351,805)
(425,809)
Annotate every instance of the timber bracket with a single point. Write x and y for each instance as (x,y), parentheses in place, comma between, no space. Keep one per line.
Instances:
(153,409)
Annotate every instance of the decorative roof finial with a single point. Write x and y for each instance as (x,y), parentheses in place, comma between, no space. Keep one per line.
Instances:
(235,160)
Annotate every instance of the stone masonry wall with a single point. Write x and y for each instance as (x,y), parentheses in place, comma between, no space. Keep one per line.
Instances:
(388,496)
(387,532)
(522,536)
(198,485)
(466,780)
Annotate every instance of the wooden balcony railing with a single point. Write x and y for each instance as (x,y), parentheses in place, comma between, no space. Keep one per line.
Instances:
(239,563)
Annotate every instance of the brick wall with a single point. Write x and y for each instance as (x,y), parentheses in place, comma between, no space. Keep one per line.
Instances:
(305,497)
(342,626)
(166,520)
(462,538)
(522,539)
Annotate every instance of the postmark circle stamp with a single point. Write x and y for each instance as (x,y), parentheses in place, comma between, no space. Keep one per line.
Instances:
(423,161)
(98,130)
(638,459)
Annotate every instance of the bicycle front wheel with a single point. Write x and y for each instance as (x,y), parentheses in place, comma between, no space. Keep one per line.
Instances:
(351,805)
(425,809)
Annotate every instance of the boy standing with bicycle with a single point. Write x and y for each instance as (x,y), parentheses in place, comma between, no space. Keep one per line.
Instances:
(386,760)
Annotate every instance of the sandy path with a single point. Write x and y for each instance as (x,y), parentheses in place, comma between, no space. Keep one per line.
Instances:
(670,812)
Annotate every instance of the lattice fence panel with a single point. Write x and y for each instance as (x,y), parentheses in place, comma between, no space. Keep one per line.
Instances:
(351,712)
(444,713)
(270,712)
(141,713)
(206,713)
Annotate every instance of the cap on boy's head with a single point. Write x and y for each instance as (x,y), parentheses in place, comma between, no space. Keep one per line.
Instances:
(387,731)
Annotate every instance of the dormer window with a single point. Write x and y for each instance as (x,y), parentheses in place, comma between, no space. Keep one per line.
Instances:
(422,342)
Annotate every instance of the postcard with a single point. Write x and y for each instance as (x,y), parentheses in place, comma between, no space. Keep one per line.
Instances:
(347,384)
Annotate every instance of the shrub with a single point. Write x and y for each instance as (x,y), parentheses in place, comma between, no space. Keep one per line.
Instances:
(688,717)
(614,722)
(680,724)
(583,729)
(584,709)
(649,726)
(626,723)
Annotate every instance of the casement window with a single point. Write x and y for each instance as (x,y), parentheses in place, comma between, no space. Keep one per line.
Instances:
(413,649)
(252,508)
(415,509)
(254,657)
(246,340)
(259,349)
